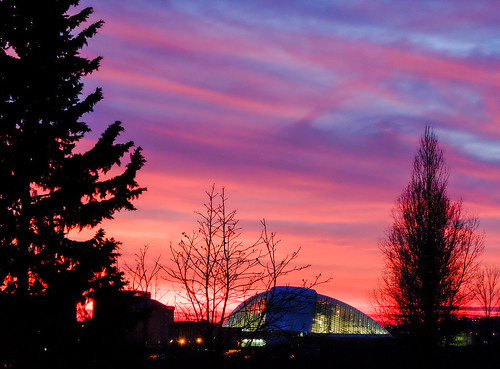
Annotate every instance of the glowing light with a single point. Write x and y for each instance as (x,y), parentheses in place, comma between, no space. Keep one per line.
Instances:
(199,340)
(181,341)
(85,311)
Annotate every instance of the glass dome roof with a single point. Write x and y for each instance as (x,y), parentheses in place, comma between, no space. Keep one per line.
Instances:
(296,309)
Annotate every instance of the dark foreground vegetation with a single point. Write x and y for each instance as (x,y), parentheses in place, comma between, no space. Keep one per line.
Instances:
(476,346)
(344,354)
(386,353)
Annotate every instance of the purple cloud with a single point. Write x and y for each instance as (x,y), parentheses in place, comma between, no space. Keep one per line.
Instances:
(308,112)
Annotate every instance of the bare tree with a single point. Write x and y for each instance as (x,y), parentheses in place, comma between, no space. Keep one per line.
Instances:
(430,251)
(215,269)
(487,289)
(142,276)
(212,266)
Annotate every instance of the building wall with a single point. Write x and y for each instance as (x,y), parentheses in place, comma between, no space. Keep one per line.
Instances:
(139,320)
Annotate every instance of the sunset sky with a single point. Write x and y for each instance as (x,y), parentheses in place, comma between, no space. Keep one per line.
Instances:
(308,112)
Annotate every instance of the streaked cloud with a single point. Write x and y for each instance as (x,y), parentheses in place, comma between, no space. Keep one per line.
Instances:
(309,113)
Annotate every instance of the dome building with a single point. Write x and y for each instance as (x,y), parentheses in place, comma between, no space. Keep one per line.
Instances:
(302,311)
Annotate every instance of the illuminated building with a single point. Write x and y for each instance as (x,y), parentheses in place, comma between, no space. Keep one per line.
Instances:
(302,311)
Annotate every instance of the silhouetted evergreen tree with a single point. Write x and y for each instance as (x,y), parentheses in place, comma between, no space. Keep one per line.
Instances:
(47,188)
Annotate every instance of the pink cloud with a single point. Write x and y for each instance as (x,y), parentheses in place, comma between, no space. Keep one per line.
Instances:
(306,124)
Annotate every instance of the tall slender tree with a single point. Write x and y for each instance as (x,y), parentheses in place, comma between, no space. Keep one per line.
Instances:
(47,188)
(431,250)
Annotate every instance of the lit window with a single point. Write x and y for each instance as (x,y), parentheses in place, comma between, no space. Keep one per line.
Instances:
(257,342)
